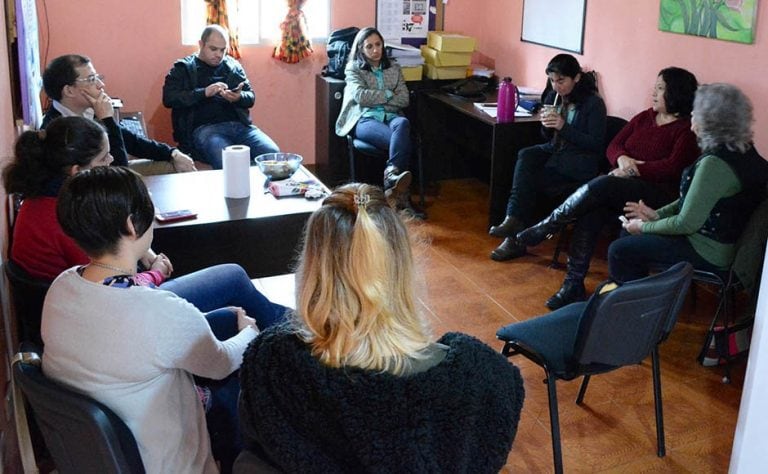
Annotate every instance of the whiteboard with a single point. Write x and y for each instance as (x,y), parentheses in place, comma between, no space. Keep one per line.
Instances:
(555,23)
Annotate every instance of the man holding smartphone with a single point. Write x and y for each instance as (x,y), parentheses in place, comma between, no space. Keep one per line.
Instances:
(210,95)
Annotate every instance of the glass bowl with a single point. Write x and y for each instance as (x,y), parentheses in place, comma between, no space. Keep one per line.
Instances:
(277,166)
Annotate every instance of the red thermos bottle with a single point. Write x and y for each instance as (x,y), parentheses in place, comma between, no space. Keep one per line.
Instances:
(506,101)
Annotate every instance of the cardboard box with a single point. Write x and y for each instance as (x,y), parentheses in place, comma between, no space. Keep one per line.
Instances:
(450,42)
(453,72)
(445,58)
(412,73)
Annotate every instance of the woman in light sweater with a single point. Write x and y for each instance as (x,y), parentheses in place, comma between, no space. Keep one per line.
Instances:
(131,347)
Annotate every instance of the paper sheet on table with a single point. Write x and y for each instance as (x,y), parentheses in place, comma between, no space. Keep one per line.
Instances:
(491,108)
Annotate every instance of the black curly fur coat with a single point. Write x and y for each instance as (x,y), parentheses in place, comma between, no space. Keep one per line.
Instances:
(302,416)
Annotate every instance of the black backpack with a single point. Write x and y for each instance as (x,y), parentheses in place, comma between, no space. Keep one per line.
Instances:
(339,47)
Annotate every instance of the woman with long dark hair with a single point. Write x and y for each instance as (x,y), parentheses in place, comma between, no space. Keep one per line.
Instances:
(374,99)
(575,126)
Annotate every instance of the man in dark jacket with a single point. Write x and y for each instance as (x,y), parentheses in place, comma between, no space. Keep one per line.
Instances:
(210,95)
(74,87)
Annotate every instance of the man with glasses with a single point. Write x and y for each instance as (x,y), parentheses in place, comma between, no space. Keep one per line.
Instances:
(74,87)
(210,95)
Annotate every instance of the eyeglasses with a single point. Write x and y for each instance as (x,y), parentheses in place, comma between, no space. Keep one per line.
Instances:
(91,79)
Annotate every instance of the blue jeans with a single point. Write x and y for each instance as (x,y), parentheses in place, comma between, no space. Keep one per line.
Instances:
(210,140)
(394,136)
(631,257)
(225,285)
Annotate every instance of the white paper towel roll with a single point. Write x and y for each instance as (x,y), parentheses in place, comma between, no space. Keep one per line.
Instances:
(236,161)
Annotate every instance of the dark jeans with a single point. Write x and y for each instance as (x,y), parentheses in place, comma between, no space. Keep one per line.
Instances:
(606,200)
(632,256)
(394,136)
(533,180)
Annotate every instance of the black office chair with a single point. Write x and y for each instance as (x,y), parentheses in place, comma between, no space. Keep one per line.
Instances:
(613,329)
(27,296)
(613,126)
(750,245)
(81,434)
(355,146)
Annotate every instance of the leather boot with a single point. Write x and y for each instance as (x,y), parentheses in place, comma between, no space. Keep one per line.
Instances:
(405,207)
(579,255)
(511,226)
(570,292)
(577,204)
(508,250)
(395,184)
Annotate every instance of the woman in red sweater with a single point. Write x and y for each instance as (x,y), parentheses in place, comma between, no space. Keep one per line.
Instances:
(648,156)
(43,161)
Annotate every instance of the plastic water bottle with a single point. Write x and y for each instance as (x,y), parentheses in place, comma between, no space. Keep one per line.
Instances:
(507,101)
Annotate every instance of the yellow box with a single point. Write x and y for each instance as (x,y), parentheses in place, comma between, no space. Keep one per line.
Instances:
(451,42)
(453,72)
(445,58)
(412,73)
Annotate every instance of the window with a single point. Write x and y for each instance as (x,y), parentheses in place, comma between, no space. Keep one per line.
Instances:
(258,20)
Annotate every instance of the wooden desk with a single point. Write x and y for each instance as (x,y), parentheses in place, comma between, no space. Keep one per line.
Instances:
(261,232)
(460,140)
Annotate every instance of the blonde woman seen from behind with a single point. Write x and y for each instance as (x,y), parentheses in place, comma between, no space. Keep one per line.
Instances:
(369,387)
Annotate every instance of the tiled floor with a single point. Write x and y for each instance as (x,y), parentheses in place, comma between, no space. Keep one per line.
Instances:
(614,431)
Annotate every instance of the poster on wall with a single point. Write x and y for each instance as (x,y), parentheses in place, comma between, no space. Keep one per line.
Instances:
(29,62)
(728,20)
(405,21)
(555,23)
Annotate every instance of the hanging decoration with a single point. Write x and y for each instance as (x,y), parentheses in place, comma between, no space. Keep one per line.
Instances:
(216,14)
(294,45)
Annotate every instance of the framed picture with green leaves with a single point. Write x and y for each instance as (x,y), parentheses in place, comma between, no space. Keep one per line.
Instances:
(728,20)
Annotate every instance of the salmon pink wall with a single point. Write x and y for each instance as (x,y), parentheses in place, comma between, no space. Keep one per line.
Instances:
(134,43)
(623,44)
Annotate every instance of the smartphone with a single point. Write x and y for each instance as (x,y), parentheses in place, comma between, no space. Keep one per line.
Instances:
(623,219)
(174,216)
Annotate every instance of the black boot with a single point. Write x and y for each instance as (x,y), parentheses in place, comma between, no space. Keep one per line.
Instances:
(579,255)
(511,226)
(571,291)
(395,184)
(577,204)
(508,250)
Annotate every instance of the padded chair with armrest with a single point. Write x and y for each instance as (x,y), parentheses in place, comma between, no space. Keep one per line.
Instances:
(613,126)
(82,435)
(355,145)
(613,329)
(27,296)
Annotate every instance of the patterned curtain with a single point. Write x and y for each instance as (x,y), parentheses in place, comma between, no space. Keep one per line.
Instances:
(295,45)
(216,14)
